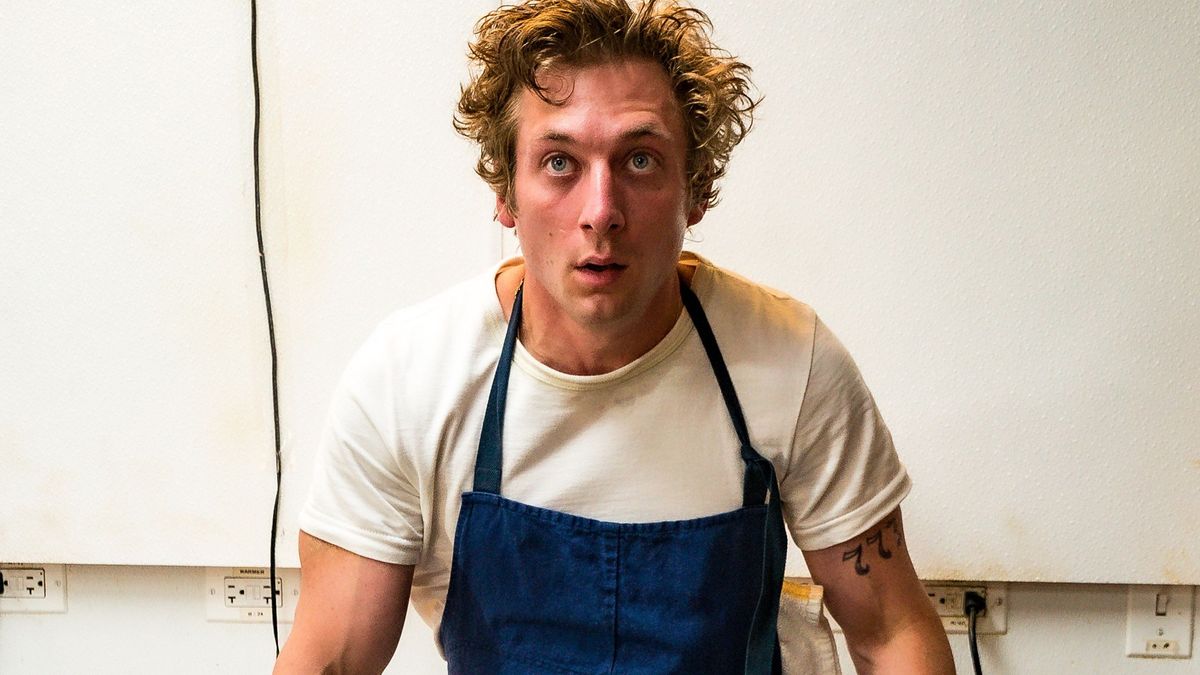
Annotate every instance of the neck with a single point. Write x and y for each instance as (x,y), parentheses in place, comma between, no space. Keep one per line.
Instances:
(576,349)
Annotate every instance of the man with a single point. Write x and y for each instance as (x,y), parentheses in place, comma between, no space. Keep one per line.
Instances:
(583,461)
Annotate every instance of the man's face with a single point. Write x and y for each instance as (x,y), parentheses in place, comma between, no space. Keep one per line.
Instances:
(601,194)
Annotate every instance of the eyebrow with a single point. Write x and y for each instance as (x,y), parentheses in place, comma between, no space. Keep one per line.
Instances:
(652,129)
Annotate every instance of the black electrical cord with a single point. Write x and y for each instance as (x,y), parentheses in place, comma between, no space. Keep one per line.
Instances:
(974,604)
(262,262)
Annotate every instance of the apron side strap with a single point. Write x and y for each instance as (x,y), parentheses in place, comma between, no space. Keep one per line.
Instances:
(760,474)
(762,650)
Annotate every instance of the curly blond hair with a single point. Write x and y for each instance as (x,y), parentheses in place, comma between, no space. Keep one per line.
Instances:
(514,42)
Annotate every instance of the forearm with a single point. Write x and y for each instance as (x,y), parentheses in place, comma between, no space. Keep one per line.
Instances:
(920,648)
(350,613)
(293,661)
(312,650)
(872,590)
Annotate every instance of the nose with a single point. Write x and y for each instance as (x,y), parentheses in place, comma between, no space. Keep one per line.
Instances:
(602,210)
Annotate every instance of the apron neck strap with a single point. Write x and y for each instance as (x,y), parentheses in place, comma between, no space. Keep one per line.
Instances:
(760,475)
(490,458)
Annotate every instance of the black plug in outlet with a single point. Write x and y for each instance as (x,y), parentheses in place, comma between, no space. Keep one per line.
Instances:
(974,603)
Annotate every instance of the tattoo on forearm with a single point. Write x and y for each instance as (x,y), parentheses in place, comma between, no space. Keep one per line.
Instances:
(877,538)
(856,554)
(894,525)
(891,529)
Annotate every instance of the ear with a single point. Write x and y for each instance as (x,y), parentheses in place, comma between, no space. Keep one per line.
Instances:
(696,213)
(503,214)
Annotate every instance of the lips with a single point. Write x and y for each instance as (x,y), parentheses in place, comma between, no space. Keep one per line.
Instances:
(599,272)
(599,264)
(596,267)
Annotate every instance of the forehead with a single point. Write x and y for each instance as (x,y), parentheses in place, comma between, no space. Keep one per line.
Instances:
(600,101)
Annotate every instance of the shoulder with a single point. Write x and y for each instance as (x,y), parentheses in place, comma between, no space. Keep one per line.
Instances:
(468,304)
(448,328)
(745,309)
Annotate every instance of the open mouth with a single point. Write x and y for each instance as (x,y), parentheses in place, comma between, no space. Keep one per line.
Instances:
(594,267)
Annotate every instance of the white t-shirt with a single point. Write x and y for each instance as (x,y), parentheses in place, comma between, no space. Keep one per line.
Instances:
(647,442)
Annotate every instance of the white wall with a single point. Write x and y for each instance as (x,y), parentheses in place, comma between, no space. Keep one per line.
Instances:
(993,205)
(1042,122)
(151,620)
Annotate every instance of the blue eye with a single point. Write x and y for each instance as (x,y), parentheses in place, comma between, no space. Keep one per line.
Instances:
(640,161)
(558,164)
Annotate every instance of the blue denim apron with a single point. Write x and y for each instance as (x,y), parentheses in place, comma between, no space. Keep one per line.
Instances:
(539,591)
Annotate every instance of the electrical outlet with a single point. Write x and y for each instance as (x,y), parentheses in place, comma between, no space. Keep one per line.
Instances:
(32,588)
(1159,621)
(250,591)
(947,598)
(245,594)
(23,582)
(1162,648)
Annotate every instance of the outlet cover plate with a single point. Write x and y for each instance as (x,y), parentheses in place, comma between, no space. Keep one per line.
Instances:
(50,595)
(219,607)
(1159,621)
(947,599)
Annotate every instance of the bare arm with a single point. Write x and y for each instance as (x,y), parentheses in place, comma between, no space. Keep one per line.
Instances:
(873,592)
(350,614)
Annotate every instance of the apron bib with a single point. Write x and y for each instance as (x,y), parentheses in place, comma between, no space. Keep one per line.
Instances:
(539,591)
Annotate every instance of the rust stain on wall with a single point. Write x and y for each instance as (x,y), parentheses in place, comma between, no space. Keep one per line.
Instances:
(13,448)
(1015,527)
(1178,564)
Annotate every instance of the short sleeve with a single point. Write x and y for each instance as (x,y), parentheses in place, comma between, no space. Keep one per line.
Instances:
(844,475)
(364,495)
